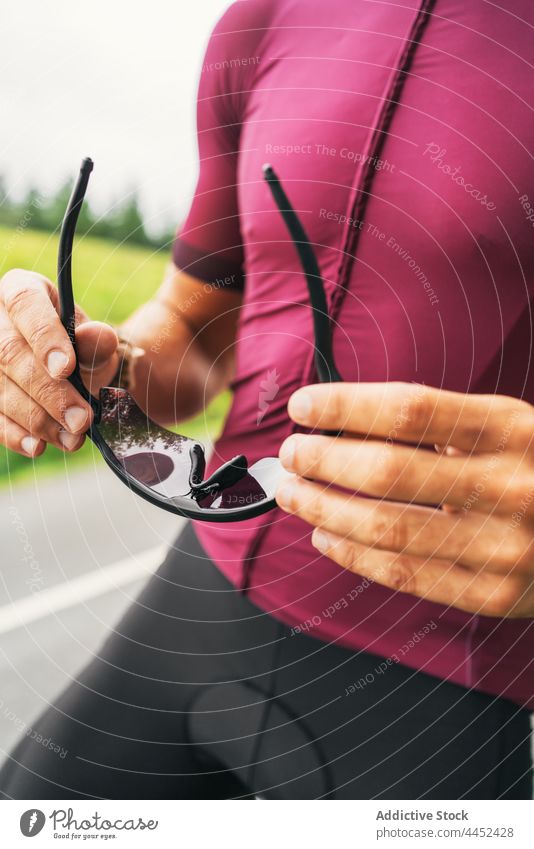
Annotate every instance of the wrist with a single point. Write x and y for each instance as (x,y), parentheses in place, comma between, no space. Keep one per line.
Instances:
(128,354)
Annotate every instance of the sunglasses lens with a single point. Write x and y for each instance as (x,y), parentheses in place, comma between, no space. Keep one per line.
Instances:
(150,454)
(172,465)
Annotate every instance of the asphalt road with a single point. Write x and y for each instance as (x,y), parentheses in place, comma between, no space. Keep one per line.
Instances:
(75,551)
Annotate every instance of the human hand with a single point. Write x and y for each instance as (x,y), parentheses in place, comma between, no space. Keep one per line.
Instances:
(476,553)
(38,405)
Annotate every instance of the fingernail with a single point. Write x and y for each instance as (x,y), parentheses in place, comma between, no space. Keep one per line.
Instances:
(321,541)
(56,363)
(29,445)
(68,440)
(300,406)
(287,452)
(285,493)
(75,418)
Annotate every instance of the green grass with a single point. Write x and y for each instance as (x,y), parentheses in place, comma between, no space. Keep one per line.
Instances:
(110,282)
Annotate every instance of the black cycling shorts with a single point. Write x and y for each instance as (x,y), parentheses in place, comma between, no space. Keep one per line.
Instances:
(198,694)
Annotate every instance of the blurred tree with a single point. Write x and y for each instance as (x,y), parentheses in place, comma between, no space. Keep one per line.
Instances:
(128,222)
(123,223)
(7,213)
(4,198)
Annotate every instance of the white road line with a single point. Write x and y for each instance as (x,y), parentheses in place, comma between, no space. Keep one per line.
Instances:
(91,585)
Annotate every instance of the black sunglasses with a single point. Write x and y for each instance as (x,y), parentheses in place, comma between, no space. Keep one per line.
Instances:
(161,466)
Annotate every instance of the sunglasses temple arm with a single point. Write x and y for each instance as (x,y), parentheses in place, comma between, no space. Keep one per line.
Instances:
(64,272)
(324,358)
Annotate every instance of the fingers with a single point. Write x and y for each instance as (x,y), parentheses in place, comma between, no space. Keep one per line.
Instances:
(413,413)
(17,439)
(19,408)
(57,397)
(433,580)
(96,344)
(27,301)
(403,473)
(37,404)
(472,539)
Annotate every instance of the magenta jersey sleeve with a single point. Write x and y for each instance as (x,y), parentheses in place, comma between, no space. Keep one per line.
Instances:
(209,245)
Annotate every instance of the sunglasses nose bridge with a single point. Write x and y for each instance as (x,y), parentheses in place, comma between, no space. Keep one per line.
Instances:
(225,476)
(198,466)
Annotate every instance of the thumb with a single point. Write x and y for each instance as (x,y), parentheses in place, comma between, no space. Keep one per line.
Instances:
(96,343)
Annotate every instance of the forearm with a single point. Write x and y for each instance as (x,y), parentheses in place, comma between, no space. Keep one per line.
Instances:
(182,368)
(172,377)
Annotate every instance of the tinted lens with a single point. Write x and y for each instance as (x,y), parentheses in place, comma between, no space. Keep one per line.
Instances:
(167,462)
(152,455)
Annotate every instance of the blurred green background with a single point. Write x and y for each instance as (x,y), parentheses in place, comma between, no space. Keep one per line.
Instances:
(110,279)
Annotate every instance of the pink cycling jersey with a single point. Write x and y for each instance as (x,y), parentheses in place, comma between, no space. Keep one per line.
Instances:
(404,136)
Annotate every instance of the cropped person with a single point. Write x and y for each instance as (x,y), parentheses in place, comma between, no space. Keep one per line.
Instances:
(372,638)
